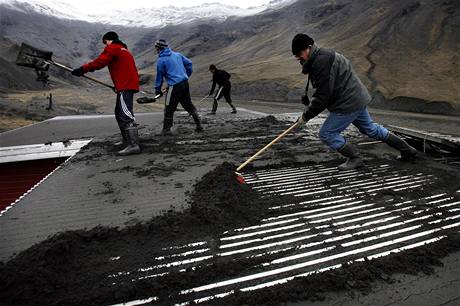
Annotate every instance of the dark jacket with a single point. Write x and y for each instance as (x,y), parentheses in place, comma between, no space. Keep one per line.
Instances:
(121,65)
(220,77)
(338,87)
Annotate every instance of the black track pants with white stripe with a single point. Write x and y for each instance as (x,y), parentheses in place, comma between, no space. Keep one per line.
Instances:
(179,93)
(124,113)
(223,91)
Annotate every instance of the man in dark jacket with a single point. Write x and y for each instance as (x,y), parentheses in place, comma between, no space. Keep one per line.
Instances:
(125,78)
(339,89)
(221,78)
(176,69)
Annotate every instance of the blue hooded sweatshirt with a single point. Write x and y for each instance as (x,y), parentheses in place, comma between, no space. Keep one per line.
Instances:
(173,66)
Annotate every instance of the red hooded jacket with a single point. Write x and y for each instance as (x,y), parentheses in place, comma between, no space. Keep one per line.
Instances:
(121,65)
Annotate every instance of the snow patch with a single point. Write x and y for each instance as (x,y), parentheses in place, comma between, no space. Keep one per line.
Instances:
(142,17)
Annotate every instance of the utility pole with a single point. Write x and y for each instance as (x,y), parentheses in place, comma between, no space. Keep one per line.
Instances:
(50,102)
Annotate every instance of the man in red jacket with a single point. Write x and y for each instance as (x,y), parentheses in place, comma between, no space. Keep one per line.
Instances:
(124,75)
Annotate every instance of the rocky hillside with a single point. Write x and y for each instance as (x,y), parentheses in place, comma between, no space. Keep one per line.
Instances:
(400,48)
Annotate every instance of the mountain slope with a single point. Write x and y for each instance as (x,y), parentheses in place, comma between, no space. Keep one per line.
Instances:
(404,48)
(399,48)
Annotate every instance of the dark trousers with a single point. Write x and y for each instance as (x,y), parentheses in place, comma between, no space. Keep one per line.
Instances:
(224,91)
(179,93)
(124,113)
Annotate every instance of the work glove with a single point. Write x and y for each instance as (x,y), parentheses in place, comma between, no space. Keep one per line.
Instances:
(78,72)
(302,119)
(305,100)
(158,93)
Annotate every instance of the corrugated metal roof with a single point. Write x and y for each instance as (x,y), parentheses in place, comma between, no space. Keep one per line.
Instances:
(94,189)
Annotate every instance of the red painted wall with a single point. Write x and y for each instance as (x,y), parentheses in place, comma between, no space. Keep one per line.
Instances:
(18,177)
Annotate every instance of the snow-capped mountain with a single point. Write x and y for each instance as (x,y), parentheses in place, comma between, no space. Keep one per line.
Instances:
(46,7)
(157,17)
(141,17)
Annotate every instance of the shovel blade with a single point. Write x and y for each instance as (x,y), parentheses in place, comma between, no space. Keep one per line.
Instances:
(145,100)
(32,57)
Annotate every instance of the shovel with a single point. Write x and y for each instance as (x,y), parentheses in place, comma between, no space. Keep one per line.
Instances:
(202,100)
(40,60)
(198,103)
(147,100)
(239,176)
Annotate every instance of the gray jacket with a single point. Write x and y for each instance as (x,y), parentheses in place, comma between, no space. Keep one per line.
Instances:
(338,87)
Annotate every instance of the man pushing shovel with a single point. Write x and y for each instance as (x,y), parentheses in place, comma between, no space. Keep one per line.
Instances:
(124,75)
(176,69)
(222,78)
(339,89)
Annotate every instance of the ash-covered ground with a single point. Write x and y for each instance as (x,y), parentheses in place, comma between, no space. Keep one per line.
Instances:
(233,244)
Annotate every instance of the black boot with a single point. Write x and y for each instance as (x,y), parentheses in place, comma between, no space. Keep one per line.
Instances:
(133,142)
(407,152)
(233,108)
(214,107)
(124,141)
(196,118)
(353,160)
(167,125)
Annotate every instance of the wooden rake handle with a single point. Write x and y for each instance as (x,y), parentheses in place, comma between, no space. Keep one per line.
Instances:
(85,76)
(268,146)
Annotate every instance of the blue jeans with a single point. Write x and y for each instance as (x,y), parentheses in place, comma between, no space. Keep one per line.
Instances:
(337,123)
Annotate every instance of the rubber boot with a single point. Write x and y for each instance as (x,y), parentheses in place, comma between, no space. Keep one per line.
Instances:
(124,141)
(133,142)
(196,118)
(353,160)
(233,108)
(408,153)
(214,107)
(167,125)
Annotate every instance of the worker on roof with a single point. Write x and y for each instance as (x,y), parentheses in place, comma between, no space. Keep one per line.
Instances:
(339,89)
(176,69)
(125,78)
(222,78)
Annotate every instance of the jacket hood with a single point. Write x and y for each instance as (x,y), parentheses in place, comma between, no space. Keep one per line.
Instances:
(119,42)
(307,65)
(165,52)
(117,45)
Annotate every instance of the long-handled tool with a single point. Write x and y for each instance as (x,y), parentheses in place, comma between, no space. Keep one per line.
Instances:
(200,102)
(239,176)
(147,100)
(40,60)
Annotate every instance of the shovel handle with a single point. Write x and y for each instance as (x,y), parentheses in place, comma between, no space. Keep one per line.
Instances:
(203,99)
(268,146)
(85,76)
(198,103)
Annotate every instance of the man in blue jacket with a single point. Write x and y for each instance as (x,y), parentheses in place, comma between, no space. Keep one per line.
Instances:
(176,69)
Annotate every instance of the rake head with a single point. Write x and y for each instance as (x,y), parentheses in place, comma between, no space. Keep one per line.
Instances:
(240,178)
(32,57)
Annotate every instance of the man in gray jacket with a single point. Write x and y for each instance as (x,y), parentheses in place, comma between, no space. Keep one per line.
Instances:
(339,89)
